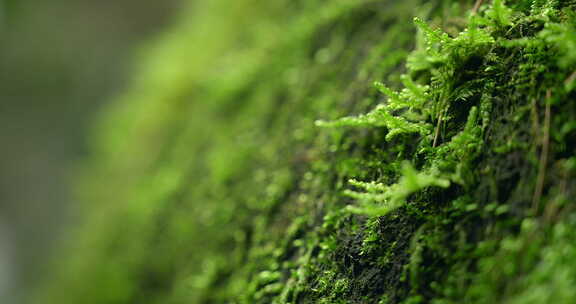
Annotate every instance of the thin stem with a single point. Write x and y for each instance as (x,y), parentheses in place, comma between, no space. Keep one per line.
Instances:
(543,157)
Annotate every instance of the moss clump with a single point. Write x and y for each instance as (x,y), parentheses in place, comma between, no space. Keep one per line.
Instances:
(240,168)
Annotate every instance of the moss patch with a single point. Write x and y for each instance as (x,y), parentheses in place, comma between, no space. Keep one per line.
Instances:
(254,160)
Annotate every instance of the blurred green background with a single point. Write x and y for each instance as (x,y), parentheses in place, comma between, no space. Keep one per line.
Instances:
(60,60)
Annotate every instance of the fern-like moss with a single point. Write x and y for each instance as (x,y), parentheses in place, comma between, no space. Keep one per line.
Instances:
(254,161)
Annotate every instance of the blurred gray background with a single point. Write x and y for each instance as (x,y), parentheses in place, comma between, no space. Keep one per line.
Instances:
(60,61)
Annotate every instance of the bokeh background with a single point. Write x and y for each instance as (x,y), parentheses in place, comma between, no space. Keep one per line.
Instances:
(60,62)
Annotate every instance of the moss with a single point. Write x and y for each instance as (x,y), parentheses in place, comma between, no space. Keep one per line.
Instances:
(265,166)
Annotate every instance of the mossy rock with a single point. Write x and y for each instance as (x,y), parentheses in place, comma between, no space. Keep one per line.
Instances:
(239,167)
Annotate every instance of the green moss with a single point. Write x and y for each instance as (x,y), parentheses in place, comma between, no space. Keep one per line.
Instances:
(239,167)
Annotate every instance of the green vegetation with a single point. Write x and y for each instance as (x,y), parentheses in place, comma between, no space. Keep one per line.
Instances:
(239,167)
